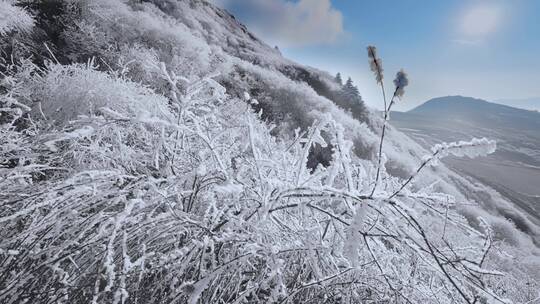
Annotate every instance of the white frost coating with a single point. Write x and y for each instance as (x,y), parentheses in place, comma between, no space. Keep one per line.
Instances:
(344,148)
(13,18)
(84,132)
(224,206)
(109,263)
(68,91)
(354,237)
(228,187)
(199,287)
(475,148)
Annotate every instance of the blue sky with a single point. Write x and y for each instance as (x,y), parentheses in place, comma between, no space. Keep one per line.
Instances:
(487,49)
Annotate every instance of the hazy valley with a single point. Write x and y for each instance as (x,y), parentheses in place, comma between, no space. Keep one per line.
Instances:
(514,169)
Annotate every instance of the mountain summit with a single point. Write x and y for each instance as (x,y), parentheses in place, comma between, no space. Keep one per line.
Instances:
(479,111)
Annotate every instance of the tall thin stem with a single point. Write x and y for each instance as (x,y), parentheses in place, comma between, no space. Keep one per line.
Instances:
(379,157)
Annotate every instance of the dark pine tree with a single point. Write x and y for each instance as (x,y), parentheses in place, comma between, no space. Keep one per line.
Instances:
(350,90)
(351,100)
(338,79)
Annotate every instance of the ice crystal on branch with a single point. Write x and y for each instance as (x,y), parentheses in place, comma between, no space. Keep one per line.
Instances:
(474,148)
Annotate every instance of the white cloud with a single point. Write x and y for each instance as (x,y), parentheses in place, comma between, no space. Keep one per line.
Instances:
(479,21)
(290,23)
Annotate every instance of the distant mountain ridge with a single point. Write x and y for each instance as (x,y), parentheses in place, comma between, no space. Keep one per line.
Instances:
(458,102)
(532,104)
(514,170)
(478,111)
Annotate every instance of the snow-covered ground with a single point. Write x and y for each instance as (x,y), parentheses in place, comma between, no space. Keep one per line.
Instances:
(157,151)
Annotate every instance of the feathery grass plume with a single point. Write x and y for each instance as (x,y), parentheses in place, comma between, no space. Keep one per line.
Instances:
(401,81)
(375,63)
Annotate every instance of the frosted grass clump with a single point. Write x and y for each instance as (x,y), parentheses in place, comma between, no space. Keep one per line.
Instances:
(13,18)
(179,210)
(172,191)
(68,91)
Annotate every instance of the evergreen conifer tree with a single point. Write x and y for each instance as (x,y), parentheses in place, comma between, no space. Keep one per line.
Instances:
(350,90)
(338,79)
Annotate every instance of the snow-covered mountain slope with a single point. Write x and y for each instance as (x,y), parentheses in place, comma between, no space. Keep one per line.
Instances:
(531,104)
(292,95)
(156,151)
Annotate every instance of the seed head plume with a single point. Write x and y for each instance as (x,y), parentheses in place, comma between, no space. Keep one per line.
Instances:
(375,63)
(401,81)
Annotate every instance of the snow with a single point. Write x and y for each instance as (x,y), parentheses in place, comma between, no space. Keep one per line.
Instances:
(140,178)
(13,18)
(474,148)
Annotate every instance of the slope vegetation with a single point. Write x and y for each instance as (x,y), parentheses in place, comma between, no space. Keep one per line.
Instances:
(157,152)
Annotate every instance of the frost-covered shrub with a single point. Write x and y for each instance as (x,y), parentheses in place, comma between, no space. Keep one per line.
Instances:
(68,91)
(136,199)
(13,18)
(85,40)
(144,24)
(292,104)
(346,97)
(136,181)
(15,24)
